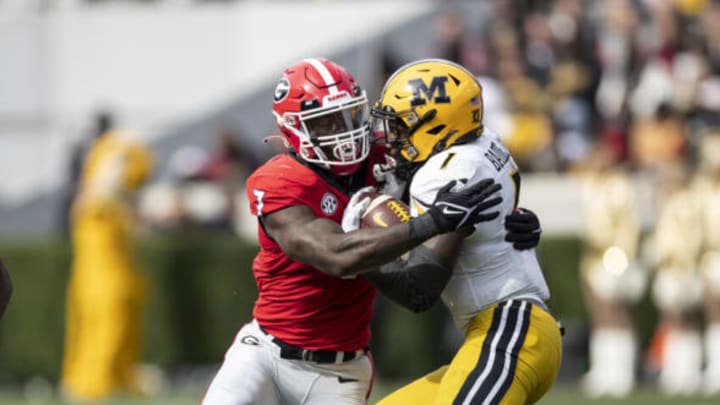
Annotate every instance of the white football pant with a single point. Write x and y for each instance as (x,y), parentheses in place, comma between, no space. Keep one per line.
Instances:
(254,373)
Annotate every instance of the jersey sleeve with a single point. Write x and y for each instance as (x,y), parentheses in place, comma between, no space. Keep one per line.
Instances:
(268,193)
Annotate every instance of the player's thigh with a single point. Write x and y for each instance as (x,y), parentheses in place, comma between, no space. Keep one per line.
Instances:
(541,355)
(318,384)
(469,357)
(511,356)
(537,363)
(420,391)
(246,375)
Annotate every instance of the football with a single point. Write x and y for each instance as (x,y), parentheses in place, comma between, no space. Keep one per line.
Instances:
(383,211)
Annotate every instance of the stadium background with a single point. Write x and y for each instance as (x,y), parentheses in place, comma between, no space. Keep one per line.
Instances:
(195,79)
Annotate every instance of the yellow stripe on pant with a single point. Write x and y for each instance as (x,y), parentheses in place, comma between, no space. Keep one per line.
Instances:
(511,355)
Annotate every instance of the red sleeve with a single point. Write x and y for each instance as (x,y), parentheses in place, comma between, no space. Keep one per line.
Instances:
(271,190)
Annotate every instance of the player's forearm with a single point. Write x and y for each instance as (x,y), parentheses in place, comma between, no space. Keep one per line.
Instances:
(375,247)
(366,249)
(323,245)
(415,284)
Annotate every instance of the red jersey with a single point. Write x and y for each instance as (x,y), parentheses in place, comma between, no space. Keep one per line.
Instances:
(298,303)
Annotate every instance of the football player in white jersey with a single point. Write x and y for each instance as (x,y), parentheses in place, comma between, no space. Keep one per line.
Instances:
(430,115)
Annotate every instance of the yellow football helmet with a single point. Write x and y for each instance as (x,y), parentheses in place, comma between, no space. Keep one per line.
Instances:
(427,106)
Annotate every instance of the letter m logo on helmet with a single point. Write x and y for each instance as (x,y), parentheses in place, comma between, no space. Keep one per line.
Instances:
(422,93)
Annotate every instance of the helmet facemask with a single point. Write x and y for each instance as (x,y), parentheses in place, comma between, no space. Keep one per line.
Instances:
(391,129)
(334,136)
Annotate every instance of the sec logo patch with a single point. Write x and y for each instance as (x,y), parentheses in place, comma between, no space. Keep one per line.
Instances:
(328,204)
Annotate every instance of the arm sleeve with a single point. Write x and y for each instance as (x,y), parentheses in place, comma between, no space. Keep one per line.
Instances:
(415,284)
(267,193)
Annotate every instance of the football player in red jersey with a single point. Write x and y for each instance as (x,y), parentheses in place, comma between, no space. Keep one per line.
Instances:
(308,340)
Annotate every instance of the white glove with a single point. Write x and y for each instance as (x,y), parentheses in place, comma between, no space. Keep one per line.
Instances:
(385,174)
(355,209)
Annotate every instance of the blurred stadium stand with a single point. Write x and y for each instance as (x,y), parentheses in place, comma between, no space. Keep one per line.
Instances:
(199,68)
(196,72)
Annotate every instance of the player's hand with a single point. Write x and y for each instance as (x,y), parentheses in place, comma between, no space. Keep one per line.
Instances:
(523,229)
(384,174)
(453,210)
(355,209)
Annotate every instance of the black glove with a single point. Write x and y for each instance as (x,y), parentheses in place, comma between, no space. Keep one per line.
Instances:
(523,228)
(453,210)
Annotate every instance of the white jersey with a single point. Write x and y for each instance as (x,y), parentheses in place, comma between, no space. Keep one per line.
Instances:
(489,270)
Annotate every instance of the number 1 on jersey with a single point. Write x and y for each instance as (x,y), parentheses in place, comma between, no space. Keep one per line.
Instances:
(259,203)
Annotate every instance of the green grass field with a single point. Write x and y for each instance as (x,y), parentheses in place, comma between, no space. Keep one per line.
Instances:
(560,395)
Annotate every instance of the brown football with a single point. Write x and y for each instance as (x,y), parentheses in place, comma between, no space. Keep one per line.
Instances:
(384,211)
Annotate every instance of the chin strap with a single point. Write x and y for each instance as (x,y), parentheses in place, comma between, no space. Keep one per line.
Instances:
(405,169)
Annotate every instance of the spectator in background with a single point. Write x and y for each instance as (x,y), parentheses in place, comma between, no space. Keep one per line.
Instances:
(227,162)
(538,51)
(496,111)
(571,114)
(611,280)
(226,166)
(206,186)
(677,289)
(455,41)
(102,122)
(708,17)
(531,138)
(105,291)
(618,59)
(5,288)
(658,140)
(625,60)
(708,186)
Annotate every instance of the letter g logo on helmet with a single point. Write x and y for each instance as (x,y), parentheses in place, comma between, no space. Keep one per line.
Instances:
(281,90)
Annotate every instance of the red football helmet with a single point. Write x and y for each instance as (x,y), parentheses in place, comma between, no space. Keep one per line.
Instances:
(323,114)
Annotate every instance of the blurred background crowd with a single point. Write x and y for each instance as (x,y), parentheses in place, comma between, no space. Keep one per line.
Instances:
(611,109)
